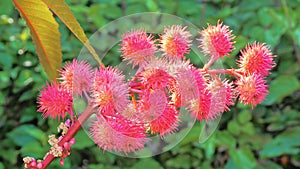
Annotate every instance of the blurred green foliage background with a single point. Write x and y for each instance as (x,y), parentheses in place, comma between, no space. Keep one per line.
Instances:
(267,136)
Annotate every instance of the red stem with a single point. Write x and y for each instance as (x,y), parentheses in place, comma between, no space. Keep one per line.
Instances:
(209,63)
(70,134)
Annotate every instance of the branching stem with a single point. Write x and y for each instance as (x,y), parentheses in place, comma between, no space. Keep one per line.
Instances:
(71,133)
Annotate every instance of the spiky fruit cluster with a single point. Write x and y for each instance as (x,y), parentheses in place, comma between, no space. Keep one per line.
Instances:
(127,112)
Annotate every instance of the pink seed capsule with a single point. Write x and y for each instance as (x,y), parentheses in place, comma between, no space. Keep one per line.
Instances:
(33,163)
(39,165)
(66,145)
(68,123)
(62,162)
(60,138)
(72,141)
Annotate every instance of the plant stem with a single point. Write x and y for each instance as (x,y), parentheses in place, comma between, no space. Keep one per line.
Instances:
(287,16)
(70,134)
(209,63)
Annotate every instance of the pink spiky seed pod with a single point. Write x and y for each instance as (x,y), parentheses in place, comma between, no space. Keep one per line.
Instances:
(166,123)
(130,112)
(152,104)
(116,133)
(186,87)
(109,91)
(155,78)
(256,58)
(170,66)
(175,42)
(200,106)
(55,101)
(252,89)
(221,97)
(137,47)
(216,41)
(175,96)
(76,77)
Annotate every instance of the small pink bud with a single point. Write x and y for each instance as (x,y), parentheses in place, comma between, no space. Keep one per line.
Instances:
(60,138)
(68,123)
(72,141)
(39,165)
(62,162)
(33,163)
(66,145)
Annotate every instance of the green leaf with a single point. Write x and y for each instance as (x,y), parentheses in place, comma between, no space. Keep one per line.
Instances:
(79,105)
(45,34)
(230,165)
(264,19)
(296,33)
(182,161)
(241,42)
(33,149)
(255,32)
(6,60)
(209,146)
(258,140)
(96,15)
(105,158)
(28,114)
(24,78)
(248,128)
(56,164)
(224,138)
(6,7)
(205,164)
(10,155)
(83,140)
(4,79)
(288,66)
(25,134)
(62,10)
(151,5)
(193,135)
(147,162)
(243,158)
(276,126)
(247,5)
(285,143)
(2,98)
(233,127)
(281,87)
(101,166)
(244,116)
(268,164)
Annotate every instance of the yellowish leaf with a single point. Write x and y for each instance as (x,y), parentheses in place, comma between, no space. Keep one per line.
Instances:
(45,34)
(62,10)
